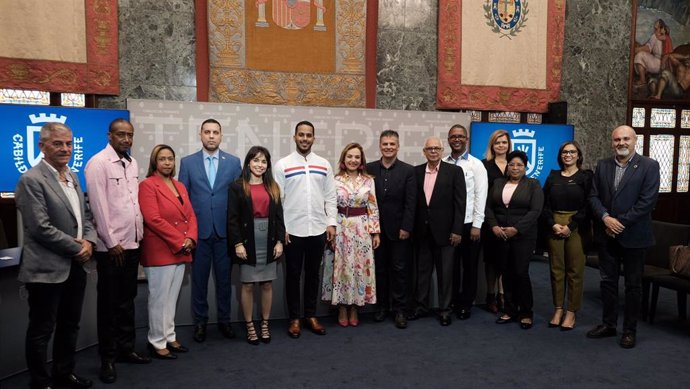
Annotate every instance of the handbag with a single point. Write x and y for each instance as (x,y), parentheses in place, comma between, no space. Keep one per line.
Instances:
(679,260)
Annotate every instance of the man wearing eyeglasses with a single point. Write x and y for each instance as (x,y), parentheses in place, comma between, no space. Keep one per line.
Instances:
(439,221)
(467,255)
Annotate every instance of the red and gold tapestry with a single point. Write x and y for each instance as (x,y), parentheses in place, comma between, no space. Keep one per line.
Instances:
(500,54)
(59,46)
(289,52)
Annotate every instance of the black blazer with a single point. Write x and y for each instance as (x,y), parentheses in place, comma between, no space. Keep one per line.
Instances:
(523,210)
(632,204)
(241,225)
(445,213)
(397,204)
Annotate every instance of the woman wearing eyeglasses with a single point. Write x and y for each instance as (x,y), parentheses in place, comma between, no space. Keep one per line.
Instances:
(512,211)
(565,210)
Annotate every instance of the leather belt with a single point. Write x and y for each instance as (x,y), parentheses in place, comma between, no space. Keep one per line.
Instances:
(348,211)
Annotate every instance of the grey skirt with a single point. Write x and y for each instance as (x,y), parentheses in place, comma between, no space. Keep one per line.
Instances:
(262,271)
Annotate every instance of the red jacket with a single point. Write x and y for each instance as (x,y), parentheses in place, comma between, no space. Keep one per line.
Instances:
(167,222)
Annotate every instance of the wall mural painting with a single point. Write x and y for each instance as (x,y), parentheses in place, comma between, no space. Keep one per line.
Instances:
(660,51)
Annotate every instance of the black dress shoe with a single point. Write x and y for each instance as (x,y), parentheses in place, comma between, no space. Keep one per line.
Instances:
(72,381)
(526,323)
(417,314)
(601,331)
(107,373)
(628,340)
(176,349)
(226,330)
(200,333)
(504,319)
(380,315)
(445,319)
(400,321)
(133,358)
(464,313)
(157,355)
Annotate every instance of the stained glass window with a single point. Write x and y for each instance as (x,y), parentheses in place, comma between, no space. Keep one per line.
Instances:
(683,164)
(17,96)
(639,146)
(685,118)
(662,118)
(661,149)
(72,100)
(638,117)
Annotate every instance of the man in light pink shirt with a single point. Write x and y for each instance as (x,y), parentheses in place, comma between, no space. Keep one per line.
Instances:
(439,220)
(112,184)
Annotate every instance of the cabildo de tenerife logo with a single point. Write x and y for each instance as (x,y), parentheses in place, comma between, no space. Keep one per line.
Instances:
(506,17)
(523,140)
(25,152)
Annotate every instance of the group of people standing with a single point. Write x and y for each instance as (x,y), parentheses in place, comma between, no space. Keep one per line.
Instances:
(383,227)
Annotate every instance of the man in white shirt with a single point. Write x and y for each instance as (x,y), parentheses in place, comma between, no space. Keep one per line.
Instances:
(307,189)
(467,256)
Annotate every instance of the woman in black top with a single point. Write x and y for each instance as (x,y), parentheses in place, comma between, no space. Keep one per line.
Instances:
(495,164)
(512,211)
(565,209)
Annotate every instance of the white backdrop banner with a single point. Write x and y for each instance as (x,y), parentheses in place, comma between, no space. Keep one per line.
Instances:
(177,124)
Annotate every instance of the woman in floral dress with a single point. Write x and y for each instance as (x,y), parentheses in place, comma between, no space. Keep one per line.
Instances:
(353,280)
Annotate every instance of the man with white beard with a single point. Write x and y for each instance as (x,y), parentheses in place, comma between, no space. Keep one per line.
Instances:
(624,194)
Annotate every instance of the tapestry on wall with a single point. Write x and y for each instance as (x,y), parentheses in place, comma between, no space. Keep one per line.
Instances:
(289,52)
(499,54)
(60,46)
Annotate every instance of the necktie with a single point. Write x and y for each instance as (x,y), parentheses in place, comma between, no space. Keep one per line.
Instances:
(211,171)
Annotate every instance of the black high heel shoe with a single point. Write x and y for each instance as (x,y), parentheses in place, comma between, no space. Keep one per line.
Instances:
(251,333)
(265,333)
(177,348)
(558,316)
(155,353)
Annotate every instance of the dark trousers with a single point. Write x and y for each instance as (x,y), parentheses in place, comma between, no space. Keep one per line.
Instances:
(117,288)
(430,255)
(54,307)
(392,259)
(611,256)
(211,252)
(307,251)
(513,258)
(465,270)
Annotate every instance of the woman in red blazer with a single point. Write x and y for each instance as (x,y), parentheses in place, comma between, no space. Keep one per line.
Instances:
(170,234)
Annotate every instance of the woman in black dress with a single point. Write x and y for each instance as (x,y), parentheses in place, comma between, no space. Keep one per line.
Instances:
(495,164)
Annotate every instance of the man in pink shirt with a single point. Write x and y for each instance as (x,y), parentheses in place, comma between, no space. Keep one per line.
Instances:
(439,220)
(112,183)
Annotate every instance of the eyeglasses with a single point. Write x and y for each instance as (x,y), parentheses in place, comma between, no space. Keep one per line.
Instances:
(566,152)
(433,149)
(516,165)
(457,137)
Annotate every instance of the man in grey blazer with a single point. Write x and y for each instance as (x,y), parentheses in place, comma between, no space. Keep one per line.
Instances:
(58,240)
(624,194)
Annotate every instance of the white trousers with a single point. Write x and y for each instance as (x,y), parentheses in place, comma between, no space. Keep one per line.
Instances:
(164,288)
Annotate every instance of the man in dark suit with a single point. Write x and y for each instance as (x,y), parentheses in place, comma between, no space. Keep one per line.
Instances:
(624,194)
(439,221)
(207,175)
(58,240)
(396,196)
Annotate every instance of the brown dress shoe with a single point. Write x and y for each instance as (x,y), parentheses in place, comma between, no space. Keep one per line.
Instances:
(294,329)
(315,326)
